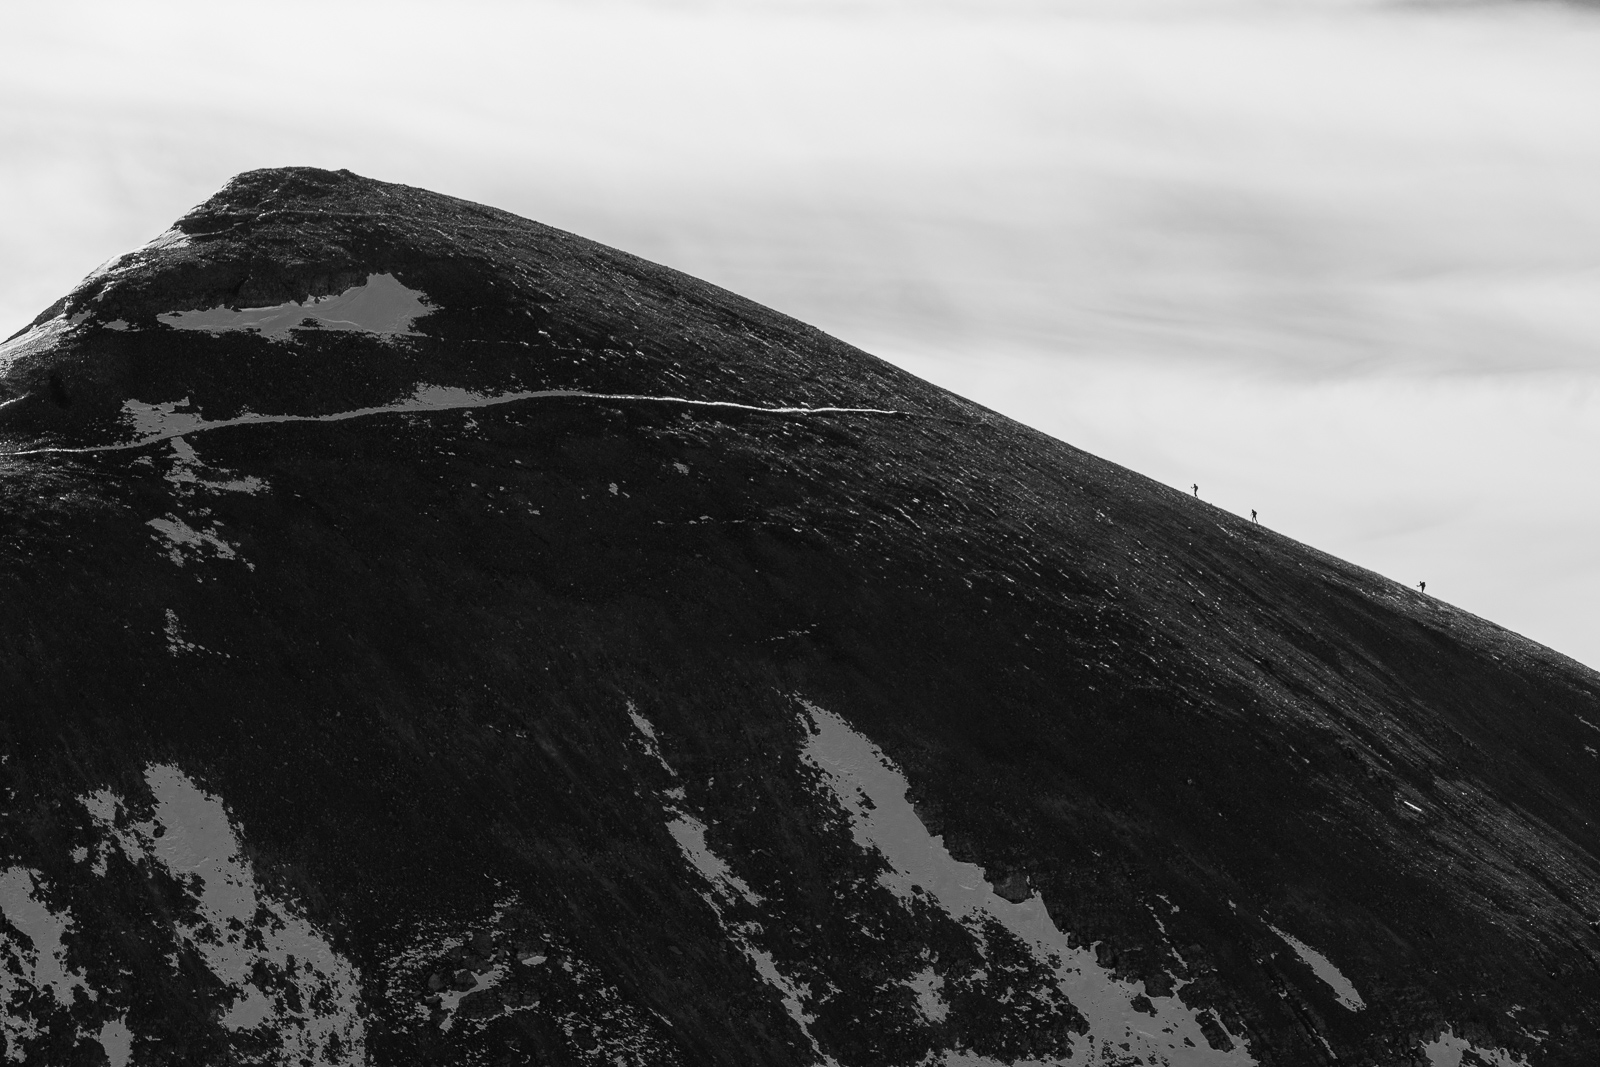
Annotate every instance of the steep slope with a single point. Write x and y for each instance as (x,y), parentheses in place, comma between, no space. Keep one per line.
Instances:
(430,637)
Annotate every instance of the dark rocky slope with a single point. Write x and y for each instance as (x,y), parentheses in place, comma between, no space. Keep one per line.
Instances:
(413,680)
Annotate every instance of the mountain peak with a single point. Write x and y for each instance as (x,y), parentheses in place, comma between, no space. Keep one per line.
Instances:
(433,637)
(230,308)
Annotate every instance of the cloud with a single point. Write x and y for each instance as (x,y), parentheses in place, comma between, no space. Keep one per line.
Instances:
(1358,237)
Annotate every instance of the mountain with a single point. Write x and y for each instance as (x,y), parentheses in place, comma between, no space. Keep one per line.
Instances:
(429,637)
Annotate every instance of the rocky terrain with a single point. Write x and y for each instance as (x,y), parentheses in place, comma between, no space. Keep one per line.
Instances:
(430,637)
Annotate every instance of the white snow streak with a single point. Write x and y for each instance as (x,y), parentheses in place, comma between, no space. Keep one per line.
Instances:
(1324,969)
(154,423)
(873,792)
(648,733)
(690,834)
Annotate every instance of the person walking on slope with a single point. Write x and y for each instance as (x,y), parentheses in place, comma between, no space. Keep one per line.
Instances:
(1422,587)
(1197,490)
(1252,514)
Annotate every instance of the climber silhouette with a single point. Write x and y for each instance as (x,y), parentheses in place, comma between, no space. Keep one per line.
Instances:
(1252,514)
(1422,586)
(1197,489)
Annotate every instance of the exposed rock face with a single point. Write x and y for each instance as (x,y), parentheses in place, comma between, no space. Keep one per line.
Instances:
(430,637)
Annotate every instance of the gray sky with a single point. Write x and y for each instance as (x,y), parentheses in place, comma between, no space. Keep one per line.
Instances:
(1336,261)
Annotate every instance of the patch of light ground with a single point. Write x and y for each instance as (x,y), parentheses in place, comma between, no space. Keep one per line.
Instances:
(689,833)
(182,538)
(1324,969)
(929,990)
(46,963)
(41,967)
(117,1040)
(873,792)
(450,999)
(380,305)
(1448,1050)
(648,733)
(252,943)
(189,472)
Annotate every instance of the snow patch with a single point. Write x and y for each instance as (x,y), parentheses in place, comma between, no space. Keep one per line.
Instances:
(451,397)
(1324,969)
(40,967)
(117,1041)
(872,791)
(1448,1050)
(157,422)
(184,540)
(380,305)
(929,990)
(793,995)
(450,999)
(44,965)
(285,981)
(690,834)
(177,644)
(190,473)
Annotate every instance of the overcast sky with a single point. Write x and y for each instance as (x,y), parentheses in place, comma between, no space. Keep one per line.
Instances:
(1335,261)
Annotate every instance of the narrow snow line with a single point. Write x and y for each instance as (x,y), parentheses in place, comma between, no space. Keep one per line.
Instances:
(1324,969)
(426,399)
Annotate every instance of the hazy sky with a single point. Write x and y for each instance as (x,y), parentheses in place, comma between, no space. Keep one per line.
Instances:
(1336,261)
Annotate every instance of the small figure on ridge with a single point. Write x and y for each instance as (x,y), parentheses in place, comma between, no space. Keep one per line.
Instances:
(1253,515)
(1422,586)
(1197,490)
